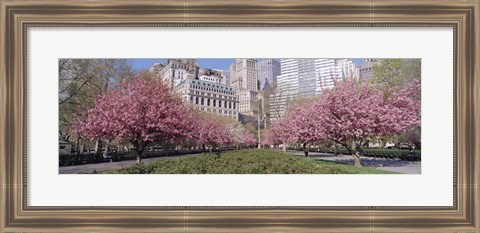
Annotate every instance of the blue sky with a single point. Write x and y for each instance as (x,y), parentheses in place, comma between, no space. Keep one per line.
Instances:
(212,63)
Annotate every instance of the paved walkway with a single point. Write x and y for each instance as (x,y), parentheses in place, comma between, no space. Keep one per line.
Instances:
(400,166)
(90,168)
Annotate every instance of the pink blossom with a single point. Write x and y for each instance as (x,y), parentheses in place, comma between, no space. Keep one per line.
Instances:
(212,132)
(358,112)
(351,114)
(269,138)
(140,111)
(248,139)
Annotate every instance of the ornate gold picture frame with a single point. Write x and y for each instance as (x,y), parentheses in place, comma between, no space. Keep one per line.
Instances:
(17,16)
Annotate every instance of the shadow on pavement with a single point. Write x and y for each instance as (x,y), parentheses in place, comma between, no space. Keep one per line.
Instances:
(366,161)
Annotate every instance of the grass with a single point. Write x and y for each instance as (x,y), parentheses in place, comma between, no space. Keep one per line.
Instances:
(353,169)
(251,161)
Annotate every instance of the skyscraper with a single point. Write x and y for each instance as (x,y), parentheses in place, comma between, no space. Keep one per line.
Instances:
(246,74)
(245,84)
(366,69)
(306,78)
(327,72)
(287,88)
(233,75)
(268,70)
(349,69)
(226,75)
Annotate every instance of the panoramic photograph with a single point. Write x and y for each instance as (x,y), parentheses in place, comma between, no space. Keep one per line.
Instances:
(240,116)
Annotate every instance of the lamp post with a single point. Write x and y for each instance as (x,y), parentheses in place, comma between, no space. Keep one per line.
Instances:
(258,125)
(260,122)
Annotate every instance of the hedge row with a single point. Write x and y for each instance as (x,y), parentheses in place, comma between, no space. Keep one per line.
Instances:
(377,153)
(251,161)
(74,159)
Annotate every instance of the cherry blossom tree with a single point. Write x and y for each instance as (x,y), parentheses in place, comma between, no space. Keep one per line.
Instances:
(269,138)
(240,136)
(212,132)
(248,139)
(304,125)
(353,113)
(81,81)
(141,111)
(282,128)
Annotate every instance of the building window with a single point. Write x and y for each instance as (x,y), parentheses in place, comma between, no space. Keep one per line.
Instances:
(229,105)
(196,100)
(233,105)
(225,104)
(214,103)
(208,102)
(201,101)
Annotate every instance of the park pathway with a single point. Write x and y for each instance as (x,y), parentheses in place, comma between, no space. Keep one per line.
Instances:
(98,167)
(400,166)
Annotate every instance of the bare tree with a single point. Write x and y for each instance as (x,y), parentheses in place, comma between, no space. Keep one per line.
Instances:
(81,81)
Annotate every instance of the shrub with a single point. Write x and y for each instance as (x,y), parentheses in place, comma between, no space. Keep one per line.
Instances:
(377,153)
(74,159)
(245,162)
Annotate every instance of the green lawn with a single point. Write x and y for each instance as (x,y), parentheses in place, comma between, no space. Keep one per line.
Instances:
(252,161)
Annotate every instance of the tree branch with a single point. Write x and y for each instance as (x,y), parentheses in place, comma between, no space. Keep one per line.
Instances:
(73,93)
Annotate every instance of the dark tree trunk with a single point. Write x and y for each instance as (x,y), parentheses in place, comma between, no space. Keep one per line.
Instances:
(139,156)
(305,149)
(105,153)
(78,146)
(140,147)
(98,147)
(82,148)
(98,150)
